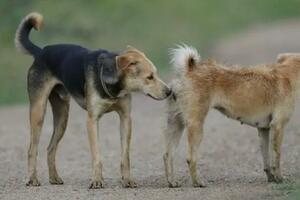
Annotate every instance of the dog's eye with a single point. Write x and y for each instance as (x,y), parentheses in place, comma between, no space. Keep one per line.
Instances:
(134,63)
(150,77)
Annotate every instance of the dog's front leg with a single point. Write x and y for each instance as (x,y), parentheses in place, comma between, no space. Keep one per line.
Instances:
(125,134)
(194,115)
(92,125)
(172,132)
(276,132)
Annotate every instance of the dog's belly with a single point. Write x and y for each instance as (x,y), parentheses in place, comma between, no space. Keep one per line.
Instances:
(258,120)
(81,101)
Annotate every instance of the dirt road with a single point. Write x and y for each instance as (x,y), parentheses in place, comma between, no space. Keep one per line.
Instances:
(230,160)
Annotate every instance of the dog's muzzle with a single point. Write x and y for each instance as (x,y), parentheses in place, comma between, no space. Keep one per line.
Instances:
(169,92)
(153,97)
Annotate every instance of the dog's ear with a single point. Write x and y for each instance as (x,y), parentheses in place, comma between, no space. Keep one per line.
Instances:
(127,63)
(131,48)
(123,61)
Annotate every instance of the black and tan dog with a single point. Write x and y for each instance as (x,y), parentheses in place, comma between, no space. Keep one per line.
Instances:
(262,96)
(100,81)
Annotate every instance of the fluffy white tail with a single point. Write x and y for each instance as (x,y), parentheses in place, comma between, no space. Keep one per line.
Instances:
(184,57)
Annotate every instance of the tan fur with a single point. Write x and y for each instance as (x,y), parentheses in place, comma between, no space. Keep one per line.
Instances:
(261,96)
(136,68)
(137,76)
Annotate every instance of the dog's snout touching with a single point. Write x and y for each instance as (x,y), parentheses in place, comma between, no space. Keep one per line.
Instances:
(168,91)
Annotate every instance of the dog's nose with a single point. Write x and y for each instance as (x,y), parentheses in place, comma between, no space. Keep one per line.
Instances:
(168,92)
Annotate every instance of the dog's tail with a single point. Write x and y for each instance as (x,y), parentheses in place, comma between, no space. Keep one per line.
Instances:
(184,58)
(22,42)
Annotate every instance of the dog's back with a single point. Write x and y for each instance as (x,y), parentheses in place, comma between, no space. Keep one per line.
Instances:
(246,94)
(67,63)
(55,56)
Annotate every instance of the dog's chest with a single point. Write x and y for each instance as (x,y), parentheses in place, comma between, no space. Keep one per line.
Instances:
(80,100)
(101,104)
(258,119)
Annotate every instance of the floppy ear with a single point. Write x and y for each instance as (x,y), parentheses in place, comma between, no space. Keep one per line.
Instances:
(123,61)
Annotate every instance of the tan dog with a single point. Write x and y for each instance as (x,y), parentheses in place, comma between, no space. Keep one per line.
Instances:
(261,96)
(100,81)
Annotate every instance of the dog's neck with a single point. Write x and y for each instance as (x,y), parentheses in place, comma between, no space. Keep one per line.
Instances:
(109,87)
(107,78)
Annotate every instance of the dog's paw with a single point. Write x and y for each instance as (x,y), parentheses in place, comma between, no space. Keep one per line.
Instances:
(278,179)
(56,180)
(275,178)
(128,183)
(199,184)
(33,182)
(174,184)
(97,184)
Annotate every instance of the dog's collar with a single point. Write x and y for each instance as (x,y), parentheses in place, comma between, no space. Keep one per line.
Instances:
(104,86)
(110,91)
(108,81)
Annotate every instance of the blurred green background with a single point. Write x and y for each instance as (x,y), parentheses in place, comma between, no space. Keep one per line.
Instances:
(152,26)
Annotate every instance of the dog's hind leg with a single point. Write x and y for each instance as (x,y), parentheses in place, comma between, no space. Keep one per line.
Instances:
(194,135)
(264,134)
(40,84)
(59,100)
(173,132)
(195,115)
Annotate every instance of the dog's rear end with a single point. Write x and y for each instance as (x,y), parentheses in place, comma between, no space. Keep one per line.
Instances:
(184,60)
(261,96)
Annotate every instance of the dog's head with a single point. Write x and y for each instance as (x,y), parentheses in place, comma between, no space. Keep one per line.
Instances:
(140,74)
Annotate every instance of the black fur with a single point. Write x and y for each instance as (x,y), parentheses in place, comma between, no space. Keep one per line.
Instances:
(73,65)
(23,37)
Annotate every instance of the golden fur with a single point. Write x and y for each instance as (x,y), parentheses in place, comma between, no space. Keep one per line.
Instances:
(261,96)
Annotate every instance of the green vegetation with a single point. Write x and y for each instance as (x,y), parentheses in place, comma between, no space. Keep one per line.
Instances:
(295,193)
(153,26)
(291,189)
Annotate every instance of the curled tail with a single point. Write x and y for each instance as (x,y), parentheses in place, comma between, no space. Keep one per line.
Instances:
(22,42)
(184,58)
